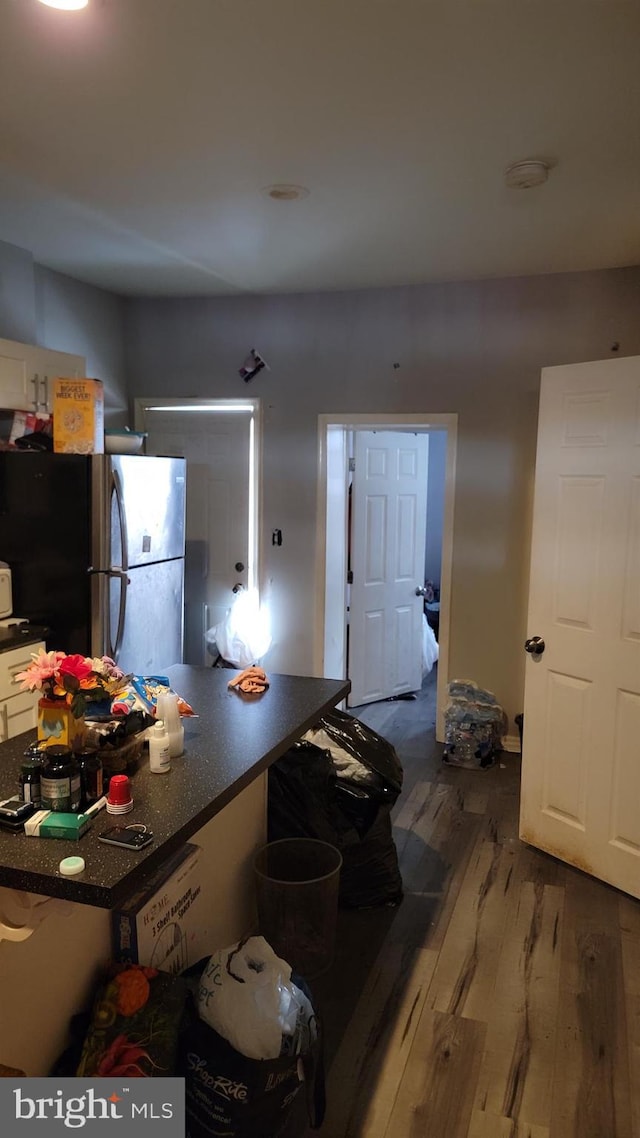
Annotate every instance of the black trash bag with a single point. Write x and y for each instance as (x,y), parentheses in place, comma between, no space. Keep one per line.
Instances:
(375,753)
(370,874)
(227,1094)
(303,799)
(307,800)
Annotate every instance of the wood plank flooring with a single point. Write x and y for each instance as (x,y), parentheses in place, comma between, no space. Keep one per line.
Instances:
(502,998)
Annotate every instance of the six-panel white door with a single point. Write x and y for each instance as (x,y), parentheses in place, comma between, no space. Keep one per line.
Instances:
(581,768)
(389,517)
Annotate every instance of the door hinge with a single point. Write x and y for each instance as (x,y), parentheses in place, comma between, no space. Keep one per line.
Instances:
(352,464)
(350,577)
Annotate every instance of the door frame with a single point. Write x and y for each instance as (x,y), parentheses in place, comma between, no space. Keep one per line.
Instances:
(255,573)
(330,622)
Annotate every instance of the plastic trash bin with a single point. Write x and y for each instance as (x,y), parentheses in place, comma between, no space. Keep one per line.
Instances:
(297,883)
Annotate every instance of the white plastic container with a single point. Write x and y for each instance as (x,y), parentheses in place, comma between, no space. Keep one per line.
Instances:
(167,710)
(159,753)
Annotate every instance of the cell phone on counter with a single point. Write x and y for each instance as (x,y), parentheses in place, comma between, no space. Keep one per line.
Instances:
(15,809)
(14,812)
(127,837)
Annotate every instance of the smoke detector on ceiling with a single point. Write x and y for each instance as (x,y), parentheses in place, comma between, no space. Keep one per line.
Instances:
(526,174)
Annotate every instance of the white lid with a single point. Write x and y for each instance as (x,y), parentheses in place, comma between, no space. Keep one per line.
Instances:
(69,866)
(158,727)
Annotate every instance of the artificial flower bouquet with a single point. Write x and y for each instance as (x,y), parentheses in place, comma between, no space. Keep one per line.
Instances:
(75,680)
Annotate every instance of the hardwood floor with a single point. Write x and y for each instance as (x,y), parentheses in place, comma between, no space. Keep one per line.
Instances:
(502,998)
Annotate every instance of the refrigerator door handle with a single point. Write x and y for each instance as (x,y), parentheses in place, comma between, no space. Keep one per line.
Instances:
(114,647)
(122,518)
(108,645)
(120,571)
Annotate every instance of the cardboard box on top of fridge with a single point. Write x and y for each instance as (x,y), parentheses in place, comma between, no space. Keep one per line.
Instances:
(165,924)
(78,416)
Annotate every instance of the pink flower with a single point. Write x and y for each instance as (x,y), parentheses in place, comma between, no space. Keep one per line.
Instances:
(42,671)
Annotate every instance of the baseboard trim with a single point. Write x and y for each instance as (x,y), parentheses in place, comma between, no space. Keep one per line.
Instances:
(511,743)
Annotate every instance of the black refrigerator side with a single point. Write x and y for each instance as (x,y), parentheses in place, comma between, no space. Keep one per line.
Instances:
(45,537)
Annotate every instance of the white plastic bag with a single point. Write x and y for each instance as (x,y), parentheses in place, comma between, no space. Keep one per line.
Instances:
(247,996)
(244,636)
(430,647)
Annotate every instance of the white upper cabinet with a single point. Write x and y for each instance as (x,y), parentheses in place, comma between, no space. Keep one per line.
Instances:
(26,375)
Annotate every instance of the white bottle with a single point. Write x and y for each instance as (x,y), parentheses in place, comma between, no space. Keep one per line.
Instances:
(167,709)
(159,754)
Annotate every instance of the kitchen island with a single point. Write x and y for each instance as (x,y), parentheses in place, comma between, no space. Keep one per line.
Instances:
(215,794)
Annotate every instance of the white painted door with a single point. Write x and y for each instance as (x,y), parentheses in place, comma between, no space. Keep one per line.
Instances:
(581,775)
(388,528)
(216,447)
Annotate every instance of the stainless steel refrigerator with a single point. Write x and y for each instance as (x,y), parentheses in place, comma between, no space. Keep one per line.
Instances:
(96,548)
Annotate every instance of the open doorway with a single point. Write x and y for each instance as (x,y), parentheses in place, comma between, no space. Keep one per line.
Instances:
(333,536)
(220,440)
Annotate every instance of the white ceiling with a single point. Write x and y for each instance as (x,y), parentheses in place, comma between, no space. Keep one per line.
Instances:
(136,137)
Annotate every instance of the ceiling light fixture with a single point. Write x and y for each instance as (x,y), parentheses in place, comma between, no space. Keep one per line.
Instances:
(66,5)
(526,174)
(285,192)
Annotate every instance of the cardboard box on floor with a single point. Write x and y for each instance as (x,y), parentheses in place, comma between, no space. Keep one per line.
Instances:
(78,416)
(165,925)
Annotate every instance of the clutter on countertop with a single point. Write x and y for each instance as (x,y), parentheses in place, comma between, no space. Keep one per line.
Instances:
(474,723)
(226,748)
(252,679)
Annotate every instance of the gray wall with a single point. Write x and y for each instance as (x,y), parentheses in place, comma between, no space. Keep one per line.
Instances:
(76,317)
(17,295)
(51,310)
(473,348)
(435,505)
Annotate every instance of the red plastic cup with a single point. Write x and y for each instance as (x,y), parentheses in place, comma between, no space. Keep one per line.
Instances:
(119,790)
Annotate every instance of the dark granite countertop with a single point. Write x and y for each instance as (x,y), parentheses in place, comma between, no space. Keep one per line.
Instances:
(234,739)
(19,634)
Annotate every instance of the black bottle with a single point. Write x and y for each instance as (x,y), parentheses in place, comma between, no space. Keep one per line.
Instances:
(60,781)
(91,776)
(30,771)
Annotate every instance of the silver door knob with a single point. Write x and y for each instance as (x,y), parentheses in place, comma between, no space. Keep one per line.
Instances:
(421,591)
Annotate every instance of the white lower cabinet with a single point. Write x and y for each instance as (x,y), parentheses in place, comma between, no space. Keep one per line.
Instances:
(18,709)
